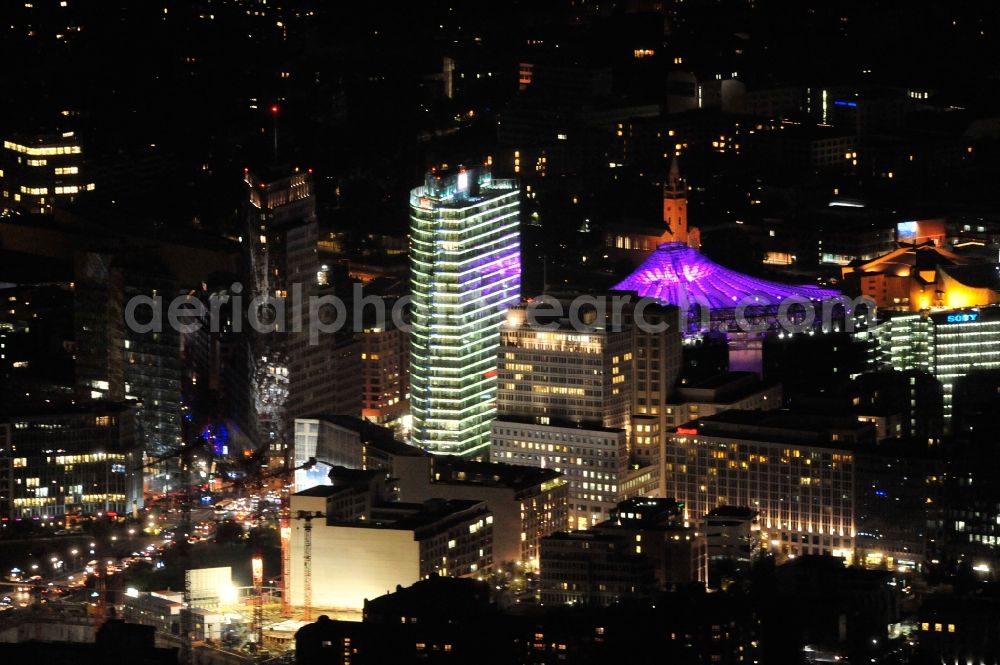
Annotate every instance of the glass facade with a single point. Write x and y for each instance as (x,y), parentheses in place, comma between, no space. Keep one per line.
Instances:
(905,342)
(465,272)
(82,461)
(948,344)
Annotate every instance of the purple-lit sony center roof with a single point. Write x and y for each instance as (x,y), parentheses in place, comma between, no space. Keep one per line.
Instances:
(676,274)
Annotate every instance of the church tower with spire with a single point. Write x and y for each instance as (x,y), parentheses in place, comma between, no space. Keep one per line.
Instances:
(675,204)
(675,209)
(635,243)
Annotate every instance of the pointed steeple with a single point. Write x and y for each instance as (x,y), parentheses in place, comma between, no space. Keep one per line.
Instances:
(675,186)
(675,204)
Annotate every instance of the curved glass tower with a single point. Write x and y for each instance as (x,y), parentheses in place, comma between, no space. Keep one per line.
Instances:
(465,272)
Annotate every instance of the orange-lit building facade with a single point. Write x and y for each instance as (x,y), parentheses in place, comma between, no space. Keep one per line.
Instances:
(924,276)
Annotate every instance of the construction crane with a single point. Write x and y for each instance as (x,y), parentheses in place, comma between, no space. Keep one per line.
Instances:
(286,551)
(286,541)
(185,455)
(307,517)
(287,475)
(257,565)
(285,534)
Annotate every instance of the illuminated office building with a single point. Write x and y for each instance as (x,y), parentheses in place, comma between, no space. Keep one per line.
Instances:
(576,375)
(56,462)
(946,344)
(465,273)
(385,362)
(658,358)
(593,459)
(118,363)
(652,529)
(527,504)
(690,401)
(795,470)
(564,403)
(277,200)
(39,172)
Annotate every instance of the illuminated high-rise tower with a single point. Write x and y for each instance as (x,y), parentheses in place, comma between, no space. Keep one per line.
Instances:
(281,229)
(465,271)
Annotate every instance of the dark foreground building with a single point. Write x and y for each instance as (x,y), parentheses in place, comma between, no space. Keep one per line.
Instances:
(116,642)
(443,620)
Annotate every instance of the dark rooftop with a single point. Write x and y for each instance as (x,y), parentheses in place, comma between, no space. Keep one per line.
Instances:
(24,268)
(726,387)
(741,512)
(785,426)
(720,380)
(454,471)
(556,422)
(980,276)
(445,598)
(72,409)
(373,434)
(414,516)
(320,490)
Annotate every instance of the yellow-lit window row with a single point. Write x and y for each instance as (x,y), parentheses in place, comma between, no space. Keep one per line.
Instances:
(558,390)
(43,151)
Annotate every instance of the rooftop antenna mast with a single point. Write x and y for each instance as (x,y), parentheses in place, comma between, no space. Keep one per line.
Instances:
(274,114)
